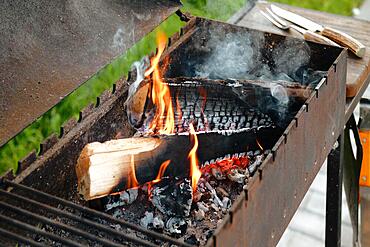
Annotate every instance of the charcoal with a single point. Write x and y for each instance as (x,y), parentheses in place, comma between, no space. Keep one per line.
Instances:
(147,219)
(215,207)
(246,173)
(125,198)
(192,240)
(172,196)
(226,202)
(257,162)
(158,223)
(235,176)
(222,192)
(202,206)
(199,214)
(176,225)
(216,199)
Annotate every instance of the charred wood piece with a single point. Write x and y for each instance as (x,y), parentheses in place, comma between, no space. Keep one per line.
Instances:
(219,104)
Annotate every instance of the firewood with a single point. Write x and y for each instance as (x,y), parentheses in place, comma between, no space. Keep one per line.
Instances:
(216,104)
(107,168)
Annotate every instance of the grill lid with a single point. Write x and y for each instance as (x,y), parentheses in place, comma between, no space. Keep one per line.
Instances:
(49,48)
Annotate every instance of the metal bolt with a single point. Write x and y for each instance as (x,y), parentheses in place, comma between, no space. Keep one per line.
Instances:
(364,178)
(364,140)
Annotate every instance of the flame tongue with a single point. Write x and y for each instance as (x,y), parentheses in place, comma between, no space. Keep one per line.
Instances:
(163,121)
(132,181)
(195,173)
(161,171)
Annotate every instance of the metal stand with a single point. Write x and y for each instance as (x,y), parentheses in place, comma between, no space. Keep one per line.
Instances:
(334,195)
(343,167)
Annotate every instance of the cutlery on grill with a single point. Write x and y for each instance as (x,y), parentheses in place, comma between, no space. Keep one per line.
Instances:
(307,34)
(337,36)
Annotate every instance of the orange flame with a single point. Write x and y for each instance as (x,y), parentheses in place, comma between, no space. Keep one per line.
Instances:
(163,121)
(161,171)
(195,173)
(132,181)
(259,145)
(160,174)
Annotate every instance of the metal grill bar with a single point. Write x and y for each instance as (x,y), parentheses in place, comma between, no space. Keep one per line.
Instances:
(20,238)
(97,214)
(31,228)
(76,218)
(58,224)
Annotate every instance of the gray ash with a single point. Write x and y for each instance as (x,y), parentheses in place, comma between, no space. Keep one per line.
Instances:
(172,197)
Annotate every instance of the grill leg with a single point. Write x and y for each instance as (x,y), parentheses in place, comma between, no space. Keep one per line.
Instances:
(334,195)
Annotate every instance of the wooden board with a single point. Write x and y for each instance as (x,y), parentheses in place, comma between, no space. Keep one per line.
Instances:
(357,69)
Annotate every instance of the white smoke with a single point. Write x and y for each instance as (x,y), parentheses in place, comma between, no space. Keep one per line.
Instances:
(279,93)
(140,66)
(239,55)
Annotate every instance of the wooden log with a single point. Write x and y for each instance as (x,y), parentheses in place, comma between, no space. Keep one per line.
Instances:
(105,168)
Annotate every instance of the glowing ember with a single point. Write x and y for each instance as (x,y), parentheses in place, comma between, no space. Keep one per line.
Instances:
(227,165)
(195,173)
(259,145)
(163,122)
(132,181)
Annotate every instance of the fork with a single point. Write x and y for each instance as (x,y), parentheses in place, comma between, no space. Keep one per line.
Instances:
(307,35)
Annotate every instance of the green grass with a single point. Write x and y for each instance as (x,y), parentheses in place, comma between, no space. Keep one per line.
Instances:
(342,7)
(50,122)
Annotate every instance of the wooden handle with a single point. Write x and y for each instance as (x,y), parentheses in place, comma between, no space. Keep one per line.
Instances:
(345,40)
(314,37)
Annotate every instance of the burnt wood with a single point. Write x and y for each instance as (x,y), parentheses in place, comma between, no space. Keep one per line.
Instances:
(221,104)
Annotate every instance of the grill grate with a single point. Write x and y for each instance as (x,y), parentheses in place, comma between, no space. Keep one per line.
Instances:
(18,205)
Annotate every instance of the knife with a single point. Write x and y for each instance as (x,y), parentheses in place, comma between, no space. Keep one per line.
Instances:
(338,36)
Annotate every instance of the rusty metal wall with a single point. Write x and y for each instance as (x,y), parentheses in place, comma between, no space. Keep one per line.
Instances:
(49,48)
(260,216)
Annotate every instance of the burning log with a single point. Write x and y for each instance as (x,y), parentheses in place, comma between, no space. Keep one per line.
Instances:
(110,167)
(219,104)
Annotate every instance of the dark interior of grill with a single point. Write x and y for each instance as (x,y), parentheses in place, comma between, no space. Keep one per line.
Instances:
(54,173)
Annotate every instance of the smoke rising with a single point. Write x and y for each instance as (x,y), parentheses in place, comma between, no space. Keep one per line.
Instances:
(251,56)
(140,66)
(237,55)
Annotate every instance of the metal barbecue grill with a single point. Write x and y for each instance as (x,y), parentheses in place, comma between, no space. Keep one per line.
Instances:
(40,205)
